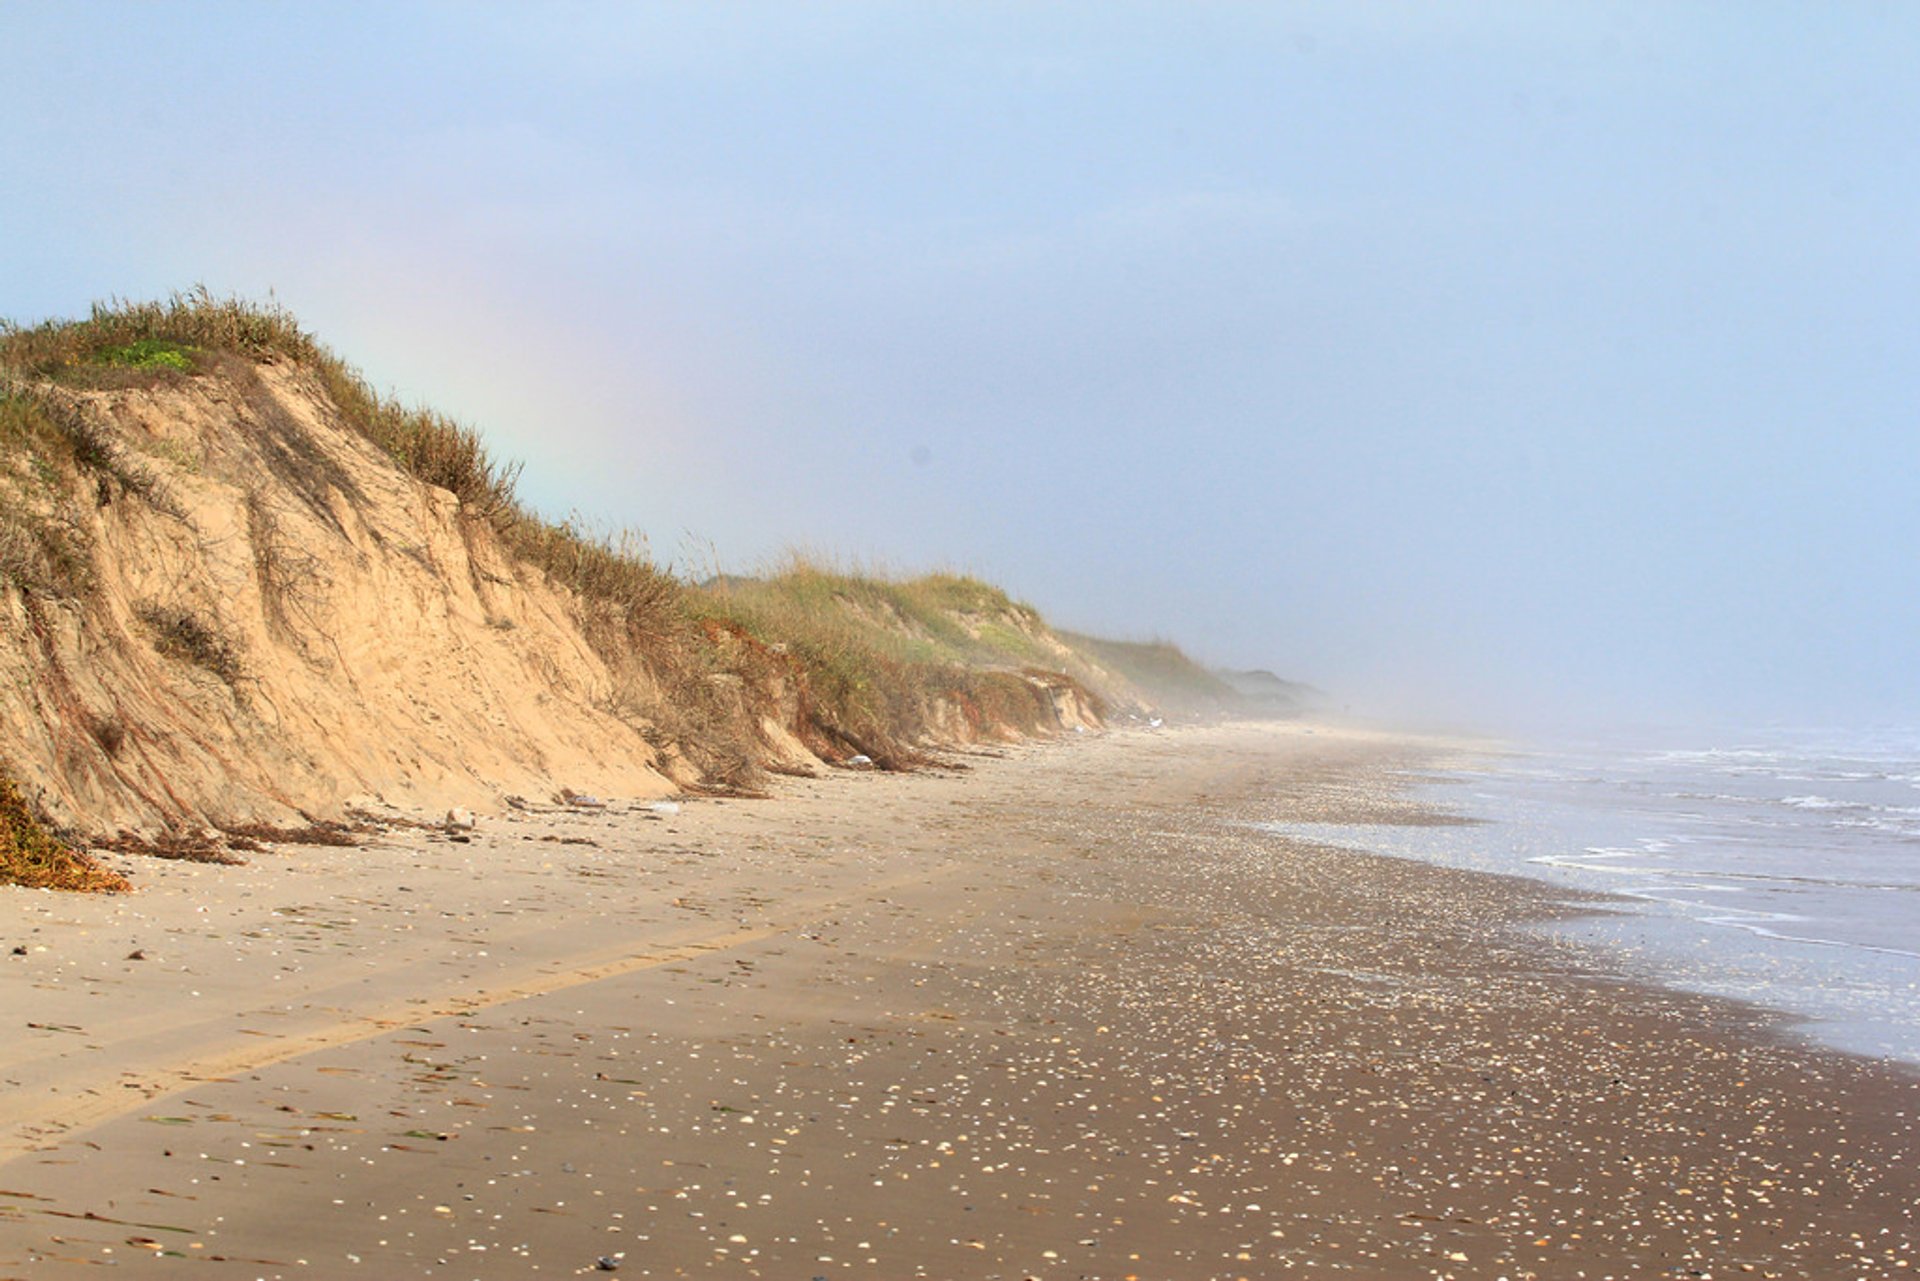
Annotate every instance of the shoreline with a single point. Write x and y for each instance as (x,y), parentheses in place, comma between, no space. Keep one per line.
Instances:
(1790,925)
(1065,1015)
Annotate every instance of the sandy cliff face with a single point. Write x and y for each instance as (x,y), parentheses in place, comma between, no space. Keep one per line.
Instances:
(263,619)
(307,627)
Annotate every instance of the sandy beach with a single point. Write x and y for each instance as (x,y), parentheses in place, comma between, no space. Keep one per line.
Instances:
(1062,1013)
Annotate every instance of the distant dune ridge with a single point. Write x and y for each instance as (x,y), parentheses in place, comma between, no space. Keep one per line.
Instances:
(241,593)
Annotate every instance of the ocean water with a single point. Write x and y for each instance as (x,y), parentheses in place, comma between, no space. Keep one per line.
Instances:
(1781,868)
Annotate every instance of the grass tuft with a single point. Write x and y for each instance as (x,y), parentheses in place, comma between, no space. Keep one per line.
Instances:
(44,554)
(429,446)
(610,571)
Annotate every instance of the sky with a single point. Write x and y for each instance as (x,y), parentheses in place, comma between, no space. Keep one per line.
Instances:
(1492,364)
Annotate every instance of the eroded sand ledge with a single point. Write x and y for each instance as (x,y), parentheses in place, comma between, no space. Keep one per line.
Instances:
(1062,1016)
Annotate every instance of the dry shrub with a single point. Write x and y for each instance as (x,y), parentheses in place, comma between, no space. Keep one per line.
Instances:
(182,846)
(636,616)
(288,578)
(692,708)
(109,732)
(182,634)
(716,735)
(999,701)
(611,572)
(59,436)
(44,554)
(31,856)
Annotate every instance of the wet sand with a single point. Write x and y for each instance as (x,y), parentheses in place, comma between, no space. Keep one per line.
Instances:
(1063,1015)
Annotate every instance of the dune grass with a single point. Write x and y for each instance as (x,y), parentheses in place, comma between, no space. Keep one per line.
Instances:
(857,662)
(189,637)
(611,571)
(875,652)
(184,324)
(1159,669)
(939,617)
(429,446)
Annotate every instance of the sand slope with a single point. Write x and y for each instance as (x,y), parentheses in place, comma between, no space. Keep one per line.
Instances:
(385,646)
(287,623)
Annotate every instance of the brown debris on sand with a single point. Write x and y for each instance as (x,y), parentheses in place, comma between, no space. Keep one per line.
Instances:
(32,856)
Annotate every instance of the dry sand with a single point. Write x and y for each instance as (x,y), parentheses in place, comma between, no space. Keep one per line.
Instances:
(1062,1015)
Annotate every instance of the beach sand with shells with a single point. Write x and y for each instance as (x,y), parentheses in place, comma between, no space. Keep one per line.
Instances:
(1063,1013)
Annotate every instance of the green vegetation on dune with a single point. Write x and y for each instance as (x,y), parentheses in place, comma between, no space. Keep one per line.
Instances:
(150,353)
(851,623)
(187,333)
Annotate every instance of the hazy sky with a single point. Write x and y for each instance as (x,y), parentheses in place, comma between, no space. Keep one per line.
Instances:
(1480,359)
